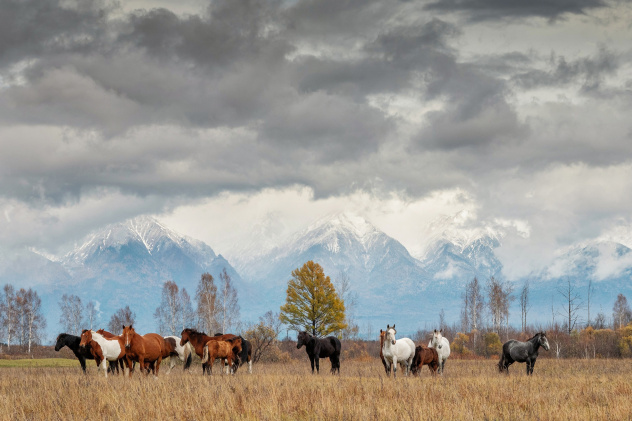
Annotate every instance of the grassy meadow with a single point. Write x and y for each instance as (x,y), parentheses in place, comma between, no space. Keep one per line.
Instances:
(470,390)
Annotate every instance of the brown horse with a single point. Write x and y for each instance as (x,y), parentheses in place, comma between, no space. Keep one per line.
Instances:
(106,349)
(199,339)
(147,349)
(425,356)
(228,350)
(382,337)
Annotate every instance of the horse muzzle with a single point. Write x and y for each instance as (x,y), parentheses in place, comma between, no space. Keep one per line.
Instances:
(298,346)
(128,346)
(393,342)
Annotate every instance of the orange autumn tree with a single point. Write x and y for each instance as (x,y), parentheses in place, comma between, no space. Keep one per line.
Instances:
(312,303)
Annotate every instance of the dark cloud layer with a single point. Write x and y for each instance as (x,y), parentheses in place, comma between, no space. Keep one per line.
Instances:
(337,95)
(499,9)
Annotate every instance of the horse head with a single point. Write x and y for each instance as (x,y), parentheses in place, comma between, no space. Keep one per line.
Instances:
(544,343)
(184,336)
(86,337)
(59,343)
(303,339)
(390,334)
(128,335)
(436,339)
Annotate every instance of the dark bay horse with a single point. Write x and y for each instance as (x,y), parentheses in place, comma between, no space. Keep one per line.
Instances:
(328,347)
(522,352)
(226,350)
(425,356)
(199,339)
(147,349)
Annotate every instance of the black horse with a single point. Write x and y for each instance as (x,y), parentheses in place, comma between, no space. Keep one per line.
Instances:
(245,356)
(328,347)
(522,352)
(82,354)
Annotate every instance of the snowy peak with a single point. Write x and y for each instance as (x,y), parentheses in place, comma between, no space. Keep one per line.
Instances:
(145,232)
(334,231)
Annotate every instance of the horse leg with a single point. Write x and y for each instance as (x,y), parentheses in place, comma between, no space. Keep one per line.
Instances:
(394,366)
(82,361)
(317,361)
(311,360)
(104,367)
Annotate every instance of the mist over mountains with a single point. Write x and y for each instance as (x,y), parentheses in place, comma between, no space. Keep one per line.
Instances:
(127,263)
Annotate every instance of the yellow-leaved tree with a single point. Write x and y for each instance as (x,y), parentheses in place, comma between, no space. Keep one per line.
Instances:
(312,303)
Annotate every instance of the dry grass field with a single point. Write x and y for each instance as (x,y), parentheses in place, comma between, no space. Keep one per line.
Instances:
(470,390)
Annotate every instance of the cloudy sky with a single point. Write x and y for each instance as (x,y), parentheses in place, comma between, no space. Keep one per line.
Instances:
(221,116)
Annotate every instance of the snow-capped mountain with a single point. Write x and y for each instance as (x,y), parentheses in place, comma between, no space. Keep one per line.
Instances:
(127,264)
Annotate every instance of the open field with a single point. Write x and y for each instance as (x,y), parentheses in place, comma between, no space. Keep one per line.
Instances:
(470,390)
(40,362)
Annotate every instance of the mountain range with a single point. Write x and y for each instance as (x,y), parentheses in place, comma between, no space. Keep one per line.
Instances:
(127,263)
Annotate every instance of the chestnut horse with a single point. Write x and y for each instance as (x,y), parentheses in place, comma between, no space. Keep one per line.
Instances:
(199,339)
(147,349)
(382,337)
(425,356)
(104,349)
(228,350)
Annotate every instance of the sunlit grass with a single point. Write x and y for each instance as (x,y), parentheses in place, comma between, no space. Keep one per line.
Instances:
(40,362)
(566,389)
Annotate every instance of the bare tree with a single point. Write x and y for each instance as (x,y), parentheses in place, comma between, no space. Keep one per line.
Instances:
(71,317)
(168,312)
(621,312)
(187,315)
(524,304)
(32,325)
(590,291)
(473,307)
(600,321)
(122,317)
(263,335)
(342,284)
(92,314)
(8,313)
(442,323)
(229,304)
(207,308)
(572,304)
(499,299)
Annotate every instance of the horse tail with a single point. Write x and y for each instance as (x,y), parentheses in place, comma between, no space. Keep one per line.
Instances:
(337,345)
(205,356)
(189,356)
(501,363)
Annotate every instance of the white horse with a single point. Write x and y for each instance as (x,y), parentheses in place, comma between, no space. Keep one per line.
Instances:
(184,352)
(394,351)
(442,345)
(112,349)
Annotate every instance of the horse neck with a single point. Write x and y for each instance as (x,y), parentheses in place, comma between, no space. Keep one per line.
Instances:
(535,342)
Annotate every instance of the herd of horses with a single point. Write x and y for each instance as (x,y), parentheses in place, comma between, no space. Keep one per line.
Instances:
(129,348)
(149,350)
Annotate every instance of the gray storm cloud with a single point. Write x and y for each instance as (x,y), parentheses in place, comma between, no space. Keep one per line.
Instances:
(100,104)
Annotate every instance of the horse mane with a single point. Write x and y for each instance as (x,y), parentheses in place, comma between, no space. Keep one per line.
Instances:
(535,336)
(195,333)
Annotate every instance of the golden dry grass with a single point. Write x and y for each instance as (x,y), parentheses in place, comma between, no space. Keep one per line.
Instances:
(470,390)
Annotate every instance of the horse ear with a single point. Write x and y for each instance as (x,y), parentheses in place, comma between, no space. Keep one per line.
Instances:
(380,331)
(393,326)
(388,327)
(440,330)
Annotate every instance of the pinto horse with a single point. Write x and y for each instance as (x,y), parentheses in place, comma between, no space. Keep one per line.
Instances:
(147,349)
(425,356)
(402,350)
(106,349)
(199,339)
(174,349)
(328,347)
(113,366)
(522,352)
(226,350)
